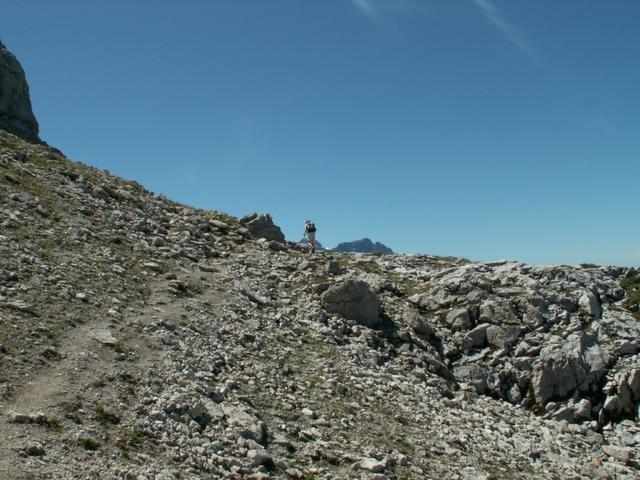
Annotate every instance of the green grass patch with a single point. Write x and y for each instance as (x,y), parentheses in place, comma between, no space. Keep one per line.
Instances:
(118,347)
(74,417)
(124,449)
(196,287)
(105,417)
(409,286)
(369,267)
(455,260)
(130,439)
(631,286)
(135,437)
(88,443)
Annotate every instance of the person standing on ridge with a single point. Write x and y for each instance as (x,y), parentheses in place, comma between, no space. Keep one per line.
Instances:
(310,233)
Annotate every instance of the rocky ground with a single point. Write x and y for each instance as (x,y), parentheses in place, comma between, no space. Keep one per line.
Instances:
(143,339)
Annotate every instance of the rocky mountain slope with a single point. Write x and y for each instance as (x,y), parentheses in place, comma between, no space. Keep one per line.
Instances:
(144,339)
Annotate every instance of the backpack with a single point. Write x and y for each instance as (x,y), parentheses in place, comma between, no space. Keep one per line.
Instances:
(311,228)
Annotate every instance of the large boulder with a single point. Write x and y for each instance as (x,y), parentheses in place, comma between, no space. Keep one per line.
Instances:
(623,393)
(575,364)
(475,338)
(262,226)
(499,312)
(459,319)
(502,337)
(418,323)
(434,299)
(589,302)
(246,424)
(16,115)
(353,299)
(480,377)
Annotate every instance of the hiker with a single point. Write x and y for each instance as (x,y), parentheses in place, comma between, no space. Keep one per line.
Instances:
(310,233)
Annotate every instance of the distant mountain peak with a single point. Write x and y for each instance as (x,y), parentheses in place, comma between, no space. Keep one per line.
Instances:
(365,245)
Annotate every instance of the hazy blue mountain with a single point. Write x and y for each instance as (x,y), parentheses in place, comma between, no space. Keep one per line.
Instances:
(362,246)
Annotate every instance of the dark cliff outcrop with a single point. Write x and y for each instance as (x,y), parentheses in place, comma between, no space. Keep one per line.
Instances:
(16,115)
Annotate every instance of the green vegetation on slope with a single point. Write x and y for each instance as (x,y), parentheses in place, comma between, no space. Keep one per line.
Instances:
(631,285)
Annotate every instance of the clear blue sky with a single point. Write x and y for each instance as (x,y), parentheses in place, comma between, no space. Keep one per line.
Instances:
(480,128)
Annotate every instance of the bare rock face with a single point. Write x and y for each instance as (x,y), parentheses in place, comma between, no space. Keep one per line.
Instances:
(577,363)
(16,115)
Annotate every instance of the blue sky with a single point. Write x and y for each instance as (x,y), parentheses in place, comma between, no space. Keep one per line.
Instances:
(486,129)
